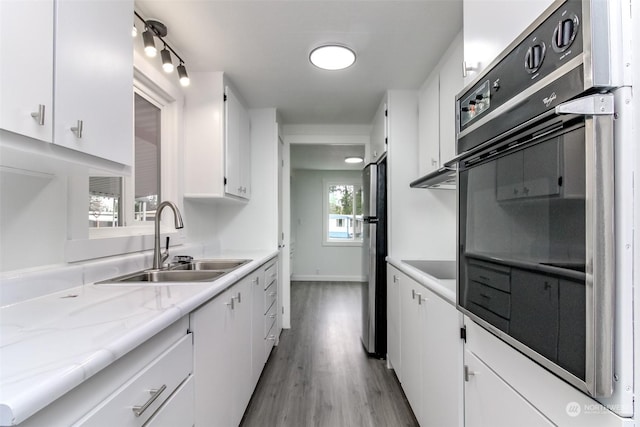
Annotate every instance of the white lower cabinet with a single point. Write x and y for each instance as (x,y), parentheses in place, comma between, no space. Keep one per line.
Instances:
(222,356)
(430,350)
(489,401)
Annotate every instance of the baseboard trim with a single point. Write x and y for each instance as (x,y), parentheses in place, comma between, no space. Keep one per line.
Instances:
(313,278)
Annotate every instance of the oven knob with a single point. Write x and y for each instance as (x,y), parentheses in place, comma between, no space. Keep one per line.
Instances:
(534,57)
(564,33)
(496,85)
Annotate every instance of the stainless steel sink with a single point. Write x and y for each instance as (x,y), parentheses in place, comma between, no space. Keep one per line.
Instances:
(201,270)
(225,265)
(162,276)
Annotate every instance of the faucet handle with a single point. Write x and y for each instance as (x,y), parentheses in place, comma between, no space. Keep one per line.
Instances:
(182,259)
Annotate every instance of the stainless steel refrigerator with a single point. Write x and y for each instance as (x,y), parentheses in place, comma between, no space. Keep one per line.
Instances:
(374,235)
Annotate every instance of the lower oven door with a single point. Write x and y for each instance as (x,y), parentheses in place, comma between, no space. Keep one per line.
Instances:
(536,245)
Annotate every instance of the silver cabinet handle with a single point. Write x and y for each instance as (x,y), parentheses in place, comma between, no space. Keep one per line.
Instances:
(155,393)
(256,281)
(239,297)
(272,316)
(395,279)
(231,303)
(78,129)
(420,299)
(39,115)
(413,294)
(467,373)
(272,294)
(271,337)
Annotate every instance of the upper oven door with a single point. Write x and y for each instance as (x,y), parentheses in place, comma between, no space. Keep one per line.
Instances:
(536,239)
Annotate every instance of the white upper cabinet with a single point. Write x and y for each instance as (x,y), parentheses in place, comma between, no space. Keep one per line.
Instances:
(217,140)
(378,136)
(436,111)
(26,68)
(94,78)
(237,147)
(490,26)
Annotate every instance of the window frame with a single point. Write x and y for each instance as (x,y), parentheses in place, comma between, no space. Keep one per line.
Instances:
(85,243)
(326,240)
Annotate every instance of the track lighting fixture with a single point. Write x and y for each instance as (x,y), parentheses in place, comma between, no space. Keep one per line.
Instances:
(157,29)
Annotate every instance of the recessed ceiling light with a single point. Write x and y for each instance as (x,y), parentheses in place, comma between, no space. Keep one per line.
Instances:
(332,57)
(353,159)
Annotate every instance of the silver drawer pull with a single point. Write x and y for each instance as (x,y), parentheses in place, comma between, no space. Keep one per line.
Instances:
(272,294)
(272,316)
(272,337)
(239,297)
(155,393)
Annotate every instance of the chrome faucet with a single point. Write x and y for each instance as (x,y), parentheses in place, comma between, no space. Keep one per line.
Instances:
(158,257)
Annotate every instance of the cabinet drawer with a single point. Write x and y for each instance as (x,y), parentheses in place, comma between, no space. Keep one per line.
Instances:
(496,301)
(178,411)
(164,374)
(270,297)
(493,275)
(270,341)
(269,318)
(270,275)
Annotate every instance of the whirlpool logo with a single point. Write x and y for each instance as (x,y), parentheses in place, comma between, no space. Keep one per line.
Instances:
(549,99)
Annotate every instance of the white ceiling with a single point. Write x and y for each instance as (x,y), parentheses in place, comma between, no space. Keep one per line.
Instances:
(263,46)
(325,156)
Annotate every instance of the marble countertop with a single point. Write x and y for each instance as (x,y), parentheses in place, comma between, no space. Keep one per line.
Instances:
(445,288)
(52,343)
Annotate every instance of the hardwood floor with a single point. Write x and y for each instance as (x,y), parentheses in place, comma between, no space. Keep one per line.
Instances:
(320,375)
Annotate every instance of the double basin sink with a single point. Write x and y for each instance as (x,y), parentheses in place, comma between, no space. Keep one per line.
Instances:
(203,270)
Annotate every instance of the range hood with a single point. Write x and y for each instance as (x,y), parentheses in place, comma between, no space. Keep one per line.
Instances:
(443,178)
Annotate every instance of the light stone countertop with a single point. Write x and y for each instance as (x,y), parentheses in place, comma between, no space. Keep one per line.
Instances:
(52,343)
(444,288)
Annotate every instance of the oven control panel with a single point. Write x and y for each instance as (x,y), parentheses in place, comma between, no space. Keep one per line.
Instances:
(553,43)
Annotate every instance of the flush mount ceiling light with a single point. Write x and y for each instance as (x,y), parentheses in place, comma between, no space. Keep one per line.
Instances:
(353,159)
(157,29)
(332,57)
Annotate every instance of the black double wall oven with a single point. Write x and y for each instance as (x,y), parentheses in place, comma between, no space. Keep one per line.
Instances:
(536,193)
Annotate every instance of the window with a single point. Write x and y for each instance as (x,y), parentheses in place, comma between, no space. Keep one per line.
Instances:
(108,204)
(343,213)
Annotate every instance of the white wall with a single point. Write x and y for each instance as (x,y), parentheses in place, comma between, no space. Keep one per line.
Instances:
(422,223)
(33,219)
(312,260)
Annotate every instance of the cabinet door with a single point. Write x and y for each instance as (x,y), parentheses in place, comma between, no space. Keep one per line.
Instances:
(237,145)
(94,78)
(509,176)
(442,354)
(451,82)
(411,341)
(541,170)
(429,126)
(491,402)
(393,320)
(379,133)
(240,350)
(26,68)
(213,361)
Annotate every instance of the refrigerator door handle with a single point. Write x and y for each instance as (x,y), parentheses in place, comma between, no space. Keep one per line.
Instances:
(370,219)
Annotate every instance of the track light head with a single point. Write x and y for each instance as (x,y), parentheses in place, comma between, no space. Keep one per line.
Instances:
(149,44)
(182,75)
(167,65)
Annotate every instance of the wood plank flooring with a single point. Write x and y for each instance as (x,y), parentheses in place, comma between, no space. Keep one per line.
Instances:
(320,375)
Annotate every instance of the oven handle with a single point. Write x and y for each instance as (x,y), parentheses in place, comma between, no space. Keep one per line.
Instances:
(600,238)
